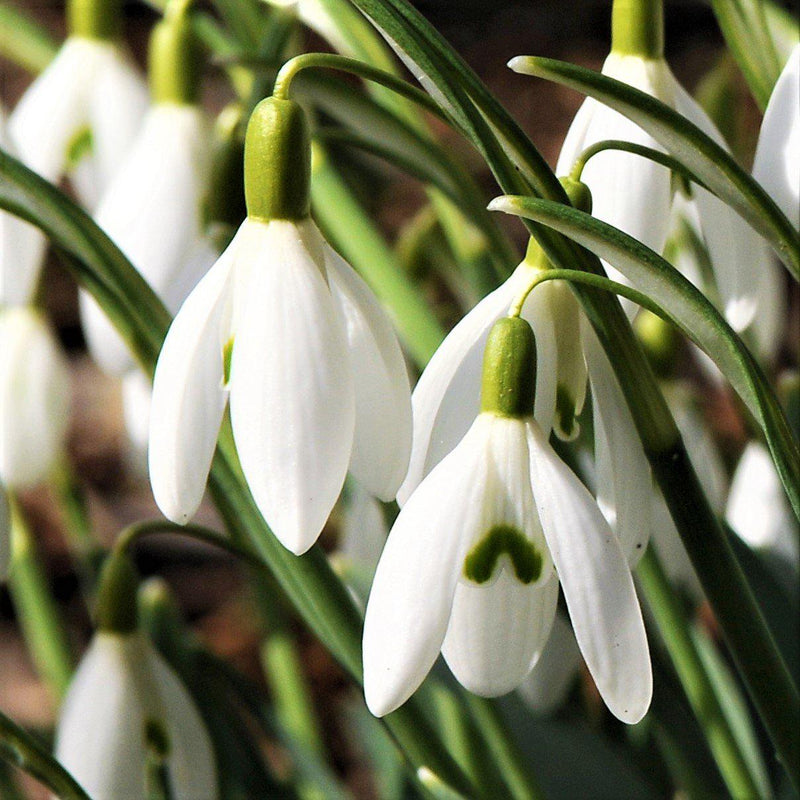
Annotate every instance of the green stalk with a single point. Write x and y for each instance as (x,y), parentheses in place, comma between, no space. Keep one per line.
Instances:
(637,28)
(20,748)
(356,238)
(675,630)
(36,610)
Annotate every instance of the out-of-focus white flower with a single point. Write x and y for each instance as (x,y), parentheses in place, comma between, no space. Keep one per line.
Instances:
(152,211)
(777,161)
(314,14)
(548,683)
(34,398)
(316,377)
(758,510)
(473,562)
(121,690)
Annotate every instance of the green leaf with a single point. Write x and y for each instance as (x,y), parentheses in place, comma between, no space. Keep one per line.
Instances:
(688,308)
(688,144)
(24,42)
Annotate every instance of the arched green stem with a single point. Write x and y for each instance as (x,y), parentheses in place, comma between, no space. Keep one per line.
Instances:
(295,65)
(637,149)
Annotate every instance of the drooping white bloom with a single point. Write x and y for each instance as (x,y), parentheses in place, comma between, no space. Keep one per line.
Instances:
(470,569)
(121,688)
(758,510)
(152,211)
(777,161)
(635,194)
(316,380)
(90,86)
(34,398)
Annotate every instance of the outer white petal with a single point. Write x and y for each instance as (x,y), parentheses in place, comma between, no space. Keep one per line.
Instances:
(757,508)
(188,393)
(777,161)
(498,628)
(137,395)
(546,688)
(116,105)
(382,440)
(34,398)
(597,584)
(152,212)
(119,685)
(292,404)
(364,528)
(412,594)
(55,107)
(446,399)
(624,483)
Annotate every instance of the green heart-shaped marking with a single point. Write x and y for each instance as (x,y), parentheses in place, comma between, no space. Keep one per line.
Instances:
(481,560)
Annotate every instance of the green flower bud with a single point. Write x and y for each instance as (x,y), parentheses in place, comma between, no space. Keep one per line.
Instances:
(637,28)
(94,19)
(509,369)
(175,64)
(277,161)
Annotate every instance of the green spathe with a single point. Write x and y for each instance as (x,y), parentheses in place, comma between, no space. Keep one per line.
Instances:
(509,369)
(117,610)
(174,61)
(94,19)
(481,561)
(277,162)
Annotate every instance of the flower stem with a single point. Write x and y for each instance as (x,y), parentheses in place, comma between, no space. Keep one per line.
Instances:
(38,616)
(637,28)
(675,630)
(21,749)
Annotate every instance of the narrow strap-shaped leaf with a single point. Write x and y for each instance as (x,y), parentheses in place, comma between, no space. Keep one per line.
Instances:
(23,41)
(688,307)
(688,144)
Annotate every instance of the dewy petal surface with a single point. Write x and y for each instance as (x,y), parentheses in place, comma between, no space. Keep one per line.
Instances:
(597,584)
(292,403)
(188,393)
(412,594)
(152,212)
(382,440)
(777,161)
(624,482)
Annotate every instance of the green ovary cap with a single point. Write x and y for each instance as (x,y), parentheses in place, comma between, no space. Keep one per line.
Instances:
(175,62)
(94,19)
(509,369)
(579,194)
(637,28)
(117,610)
(277,161)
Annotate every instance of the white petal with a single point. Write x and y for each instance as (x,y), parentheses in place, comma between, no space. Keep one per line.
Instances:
(364,529)
(152,211)
(188,394)
(137,394)
(55,107)
(624,482)
(597,584)
(34,398)
(292,404)
(382,441)
(777,161)
(409,605)
(546,688)
(117,103)
(496,633)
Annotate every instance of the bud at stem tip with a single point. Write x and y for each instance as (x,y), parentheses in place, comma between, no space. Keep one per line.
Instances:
(509,369)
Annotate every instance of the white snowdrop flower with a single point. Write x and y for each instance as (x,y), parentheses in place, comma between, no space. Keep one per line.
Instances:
(316,378)
(123,703)
(153,207)
(548,684)
(34,398)
(474,560)
(777,161)
(758,510)
(634,194)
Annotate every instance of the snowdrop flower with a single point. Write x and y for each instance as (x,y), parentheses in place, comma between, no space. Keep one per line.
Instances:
(446,399)
(153,207)
(758,510)
(34,398)
(777,161)
(316,378)
(125,705)
(474,560)
(635,194)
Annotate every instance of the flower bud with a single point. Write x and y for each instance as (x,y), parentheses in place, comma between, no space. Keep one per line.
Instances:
(509,369)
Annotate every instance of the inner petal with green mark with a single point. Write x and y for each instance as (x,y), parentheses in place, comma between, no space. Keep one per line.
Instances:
(568,427)
(503,539)
(227,352)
